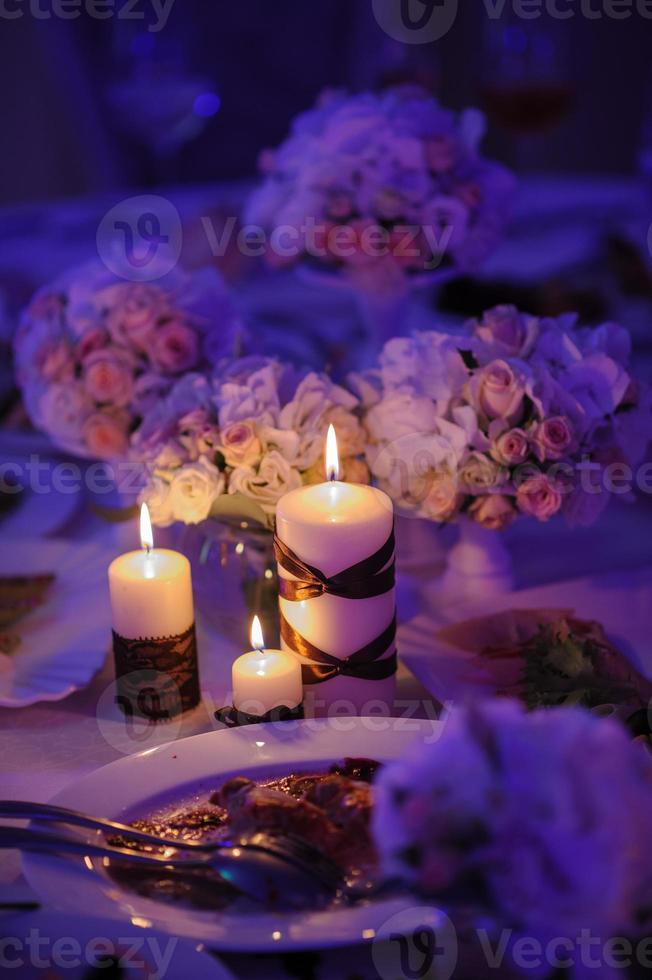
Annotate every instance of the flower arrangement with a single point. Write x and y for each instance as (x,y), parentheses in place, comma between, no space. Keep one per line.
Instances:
(539,819)
(380,186)
(94,351)
(518,415)
(232,444)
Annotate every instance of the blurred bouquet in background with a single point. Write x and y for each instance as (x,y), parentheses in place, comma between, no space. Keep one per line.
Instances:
(538,820)
(382,186)
(94,352)
(517,415)
(230,445)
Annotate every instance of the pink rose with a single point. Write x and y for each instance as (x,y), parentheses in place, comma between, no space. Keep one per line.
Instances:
(493,512)
(104,435)
(497,391)
(240,444)
(441,499)
(175,347)
(507,331)
(94,339)
(48,307)
(441,154)
(511,448)
(539,497)
(134,309)
(54,361)
(553,438)
(478,474)
(108,377)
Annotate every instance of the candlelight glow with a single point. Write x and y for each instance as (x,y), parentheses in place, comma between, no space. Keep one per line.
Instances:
(332,458)
(257,641)
(146,536)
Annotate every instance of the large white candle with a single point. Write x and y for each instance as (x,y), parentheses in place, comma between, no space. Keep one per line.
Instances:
(265,679)
(333,526)
(151,590)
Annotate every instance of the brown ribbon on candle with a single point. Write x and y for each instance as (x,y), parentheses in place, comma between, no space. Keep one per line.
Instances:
(370,577)
(364,664)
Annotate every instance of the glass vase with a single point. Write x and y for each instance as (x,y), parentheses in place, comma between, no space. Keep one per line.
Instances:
(234,577)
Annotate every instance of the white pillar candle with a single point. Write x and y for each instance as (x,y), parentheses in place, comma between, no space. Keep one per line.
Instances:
(151,590)
(333,526)
(265,679)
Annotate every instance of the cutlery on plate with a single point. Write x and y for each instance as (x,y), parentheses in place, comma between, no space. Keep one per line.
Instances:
(259,867)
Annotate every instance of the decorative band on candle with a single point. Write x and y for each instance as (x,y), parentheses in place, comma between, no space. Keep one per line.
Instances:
(365,663)
(370,577)
(157,678)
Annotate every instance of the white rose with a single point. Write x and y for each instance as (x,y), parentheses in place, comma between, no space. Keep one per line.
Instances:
(401,414)
(193,490)
(266,484)
(157,497)
(416,471)
(315,403)
(62,410)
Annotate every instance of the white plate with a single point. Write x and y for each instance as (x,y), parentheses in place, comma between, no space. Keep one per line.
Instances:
(65,641)
(135,784)
(69,947)
(620,601)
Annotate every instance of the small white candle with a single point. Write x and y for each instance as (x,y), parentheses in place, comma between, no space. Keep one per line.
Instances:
(151,590)
(265,679)
(333,526)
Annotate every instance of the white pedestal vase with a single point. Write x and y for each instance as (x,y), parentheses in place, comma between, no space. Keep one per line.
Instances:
(478,567)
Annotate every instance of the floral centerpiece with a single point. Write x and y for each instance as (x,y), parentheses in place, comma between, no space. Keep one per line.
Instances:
(94,351)
(537,821)
(518,415)
(220,451)
(381,186)
(233,443)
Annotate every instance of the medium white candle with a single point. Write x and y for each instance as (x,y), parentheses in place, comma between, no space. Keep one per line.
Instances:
(333,526)
(151,590)
(265,679)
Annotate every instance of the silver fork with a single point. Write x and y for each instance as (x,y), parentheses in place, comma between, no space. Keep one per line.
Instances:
(262,867)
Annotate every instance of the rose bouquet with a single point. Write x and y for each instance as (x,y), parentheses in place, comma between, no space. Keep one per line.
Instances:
(537,820)
(380,186)
(516,415)
(230,445)
(94,352)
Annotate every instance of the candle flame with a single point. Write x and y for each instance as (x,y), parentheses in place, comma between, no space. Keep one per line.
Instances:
(257,640)
(332,457)
(146,536)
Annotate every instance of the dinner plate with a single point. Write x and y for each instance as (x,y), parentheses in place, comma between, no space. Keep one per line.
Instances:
(136,784)
(620,601)
(66,640)
(47,945)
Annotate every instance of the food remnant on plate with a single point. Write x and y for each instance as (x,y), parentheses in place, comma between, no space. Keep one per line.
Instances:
(331,811)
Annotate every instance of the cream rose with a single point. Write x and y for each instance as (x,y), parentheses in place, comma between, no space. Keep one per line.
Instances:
(401,414)
(193,490)
(157,497)
(478,474)
(493,511)
(266,484)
